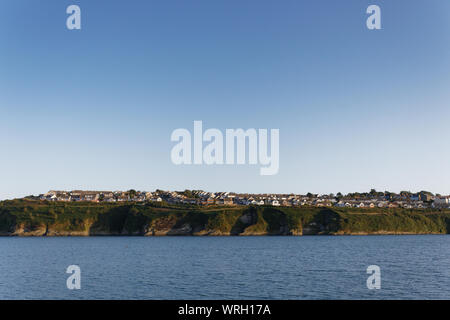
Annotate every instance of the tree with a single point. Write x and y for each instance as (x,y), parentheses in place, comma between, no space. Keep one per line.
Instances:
(132,193)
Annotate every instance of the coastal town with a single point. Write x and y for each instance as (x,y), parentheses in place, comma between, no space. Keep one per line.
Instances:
(372,199)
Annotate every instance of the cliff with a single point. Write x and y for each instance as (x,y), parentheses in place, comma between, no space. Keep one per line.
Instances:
(40,218)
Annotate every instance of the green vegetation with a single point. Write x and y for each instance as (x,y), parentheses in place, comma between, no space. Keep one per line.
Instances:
(36,218)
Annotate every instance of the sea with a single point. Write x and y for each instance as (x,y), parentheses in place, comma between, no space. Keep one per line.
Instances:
(252,267)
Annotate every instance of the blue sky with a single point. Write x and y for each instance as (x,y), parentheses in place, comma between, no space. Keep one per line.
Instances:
(95,108)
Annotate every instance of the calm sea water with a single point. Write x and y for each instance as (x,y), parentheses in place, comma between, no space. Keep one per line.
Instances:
(318,267)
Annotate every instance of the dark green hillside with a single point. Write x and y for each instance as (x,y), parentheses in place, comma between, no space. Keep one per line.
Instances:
(41,218)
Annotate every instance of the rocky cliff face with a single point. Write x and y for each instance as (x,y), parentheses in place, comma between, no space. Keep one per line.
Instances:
(248,222)
(55,219)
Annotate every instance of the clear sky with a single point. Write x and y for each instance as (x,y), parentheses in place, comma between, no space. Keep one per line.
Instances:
(95,108)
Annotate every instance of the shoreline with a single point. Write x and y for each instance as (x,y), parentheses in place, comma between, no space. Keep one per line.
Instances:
(355,234)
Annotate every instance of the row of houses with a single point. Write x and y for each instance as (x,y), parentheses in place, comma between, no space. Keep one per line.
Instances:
(415,201)
(99,196)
